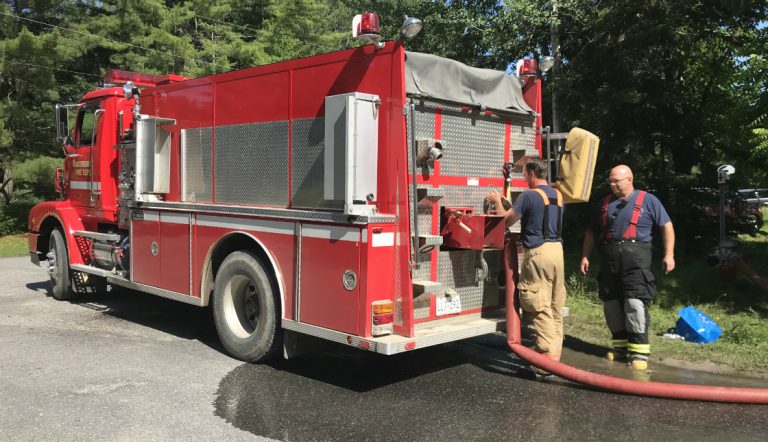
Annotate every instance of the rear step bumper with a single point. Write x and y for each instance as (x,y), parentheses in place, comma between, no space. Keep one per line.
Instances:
(425,337)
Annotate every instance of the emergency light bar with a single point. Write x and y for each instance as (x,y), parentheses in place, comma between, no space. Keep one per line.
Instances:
(118,77)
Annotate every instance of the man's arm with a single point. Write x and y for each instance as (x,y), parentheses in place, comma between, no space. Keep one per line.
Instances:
(668,233)
(586,249)
(510,216)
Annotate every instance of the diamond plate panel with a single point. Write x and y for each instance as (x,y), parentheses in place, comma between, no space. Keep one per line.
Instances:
(474,148)
(464,272)
(421,312)
(251,163)
(398,295)
(422,273)
(308,163)
(425,215)
(474,144)
(492,281)
(425,128)
(459,270)
(196,164)
(523,134)
(464,196)
(425,219)
(400,237)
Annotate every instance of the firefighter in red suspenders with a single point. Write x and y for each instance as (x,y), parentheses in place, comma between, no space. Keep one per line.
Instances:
(542,276)
(624,227)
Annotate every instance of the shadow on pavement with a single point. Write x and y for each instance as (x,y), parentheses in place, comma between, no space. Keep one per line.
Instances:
(40,287)
(585,347)
(168,316)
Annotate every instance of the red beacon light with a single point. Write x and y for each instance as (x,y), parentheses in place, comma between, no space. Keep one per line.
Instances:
(527,67)
(530,67)
(369,23)
(366,27)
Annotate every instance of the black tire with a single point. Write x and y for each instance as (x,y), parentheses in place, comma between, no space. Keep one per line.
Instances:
(62,287)
(245,308)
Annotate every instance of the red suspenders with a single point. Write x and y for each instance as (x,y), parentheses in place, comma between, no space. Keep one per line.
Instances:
(631,232)
(604,218)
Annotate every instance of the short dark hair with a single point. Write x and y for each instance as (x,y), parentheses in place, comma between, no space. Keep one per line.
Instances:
(538,166)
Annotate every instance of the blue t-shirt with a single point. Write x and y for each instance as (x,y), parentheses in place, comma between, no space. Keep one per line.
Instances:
(531,206)
(652,214)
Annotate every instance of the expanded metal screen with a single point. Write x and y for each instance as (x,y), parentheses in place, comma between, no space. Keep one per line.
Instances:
(308,141)
(196,157)
(251,162)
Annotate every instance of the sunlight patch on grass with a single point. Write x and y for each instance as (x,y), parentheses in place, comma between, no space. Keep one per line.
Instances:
(739,307)
(13,245)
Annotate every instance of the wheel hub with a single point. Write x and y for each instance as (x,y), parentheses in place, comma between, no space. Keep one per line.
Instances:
(51,262)
(242,308)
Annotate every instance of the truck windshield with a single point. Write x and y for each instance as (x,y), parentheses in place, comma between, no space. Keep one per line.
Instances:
(85,126)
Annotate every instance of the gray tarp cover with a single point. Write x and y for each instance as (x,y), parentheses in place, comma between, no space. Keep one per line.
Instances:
(441,78)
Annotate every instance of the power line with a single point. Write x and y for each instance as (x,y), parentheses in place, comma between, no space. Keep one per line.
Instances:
(49,67)
(310,44)
(207,18)
(109,39)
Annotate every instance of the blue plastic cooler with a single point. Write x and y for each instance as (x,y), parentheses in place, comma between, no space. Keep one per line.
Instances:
(697,327)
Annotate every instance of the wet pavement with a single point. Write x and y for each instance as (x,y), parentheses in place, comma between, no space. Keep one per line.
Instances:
(129,366)
(473,390)
(657,372)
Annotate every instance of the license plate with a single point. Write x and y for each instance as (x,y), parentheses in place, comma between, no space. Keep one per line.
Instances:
(446,305)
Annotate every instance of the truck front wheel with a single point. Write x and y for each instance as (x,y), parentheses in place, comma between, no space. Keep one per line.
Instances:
(245,308)
(58,267)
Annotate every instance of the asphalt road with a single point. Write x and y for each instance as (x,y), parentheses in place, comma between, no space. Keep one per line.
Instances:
(129,366)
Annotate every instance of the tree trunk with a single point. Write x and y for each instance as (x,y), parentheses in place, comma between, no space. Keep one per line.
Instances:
(6,185)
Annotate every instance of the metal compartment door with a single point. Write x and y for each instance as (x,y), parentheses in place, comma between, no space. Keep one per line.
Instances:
(145,247)
(174,253)
(326,253)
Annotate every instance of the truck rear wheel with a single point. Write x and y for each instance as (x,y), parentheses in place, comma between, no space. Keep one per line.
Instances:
(245,308)
(58,267)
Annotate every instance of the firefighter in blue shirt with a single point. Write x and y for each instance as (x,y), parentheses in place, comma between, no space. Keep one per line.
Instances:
(542,272)
(623,226)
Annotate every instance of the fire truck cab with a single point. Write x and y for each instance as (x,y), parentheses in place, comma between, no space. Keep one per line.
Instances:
(338,196)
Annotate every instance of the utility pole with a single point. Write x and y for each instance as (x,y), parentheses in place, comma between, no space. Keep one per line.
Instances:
(555,42)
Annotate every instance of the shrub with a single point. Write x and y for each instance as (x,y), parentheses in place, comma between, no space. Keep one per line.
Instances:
(13,217)
(36,177)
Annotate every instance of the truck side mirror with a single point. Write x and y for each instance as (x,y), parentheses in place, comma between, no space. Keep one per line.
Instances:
(62,123)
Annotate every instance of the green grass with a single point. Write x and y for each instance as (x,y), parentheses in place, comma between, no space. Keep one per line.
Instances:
(739,307)
(13,245)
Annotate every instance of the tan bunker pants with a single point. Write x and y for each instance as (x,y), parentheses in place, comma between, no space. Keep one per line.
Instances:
(542,295)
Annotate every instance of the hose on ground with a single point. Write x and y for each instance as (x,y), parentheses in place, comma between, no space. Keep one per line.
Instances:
(609,383)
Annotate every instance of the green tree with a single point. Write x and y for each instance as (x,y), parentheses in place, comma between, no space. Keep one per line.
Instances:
(53,51)
(28,89)
(658,81)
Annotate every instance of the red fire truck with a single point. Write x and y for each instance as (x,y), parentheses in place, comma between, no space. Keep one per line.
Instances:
(338,196)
